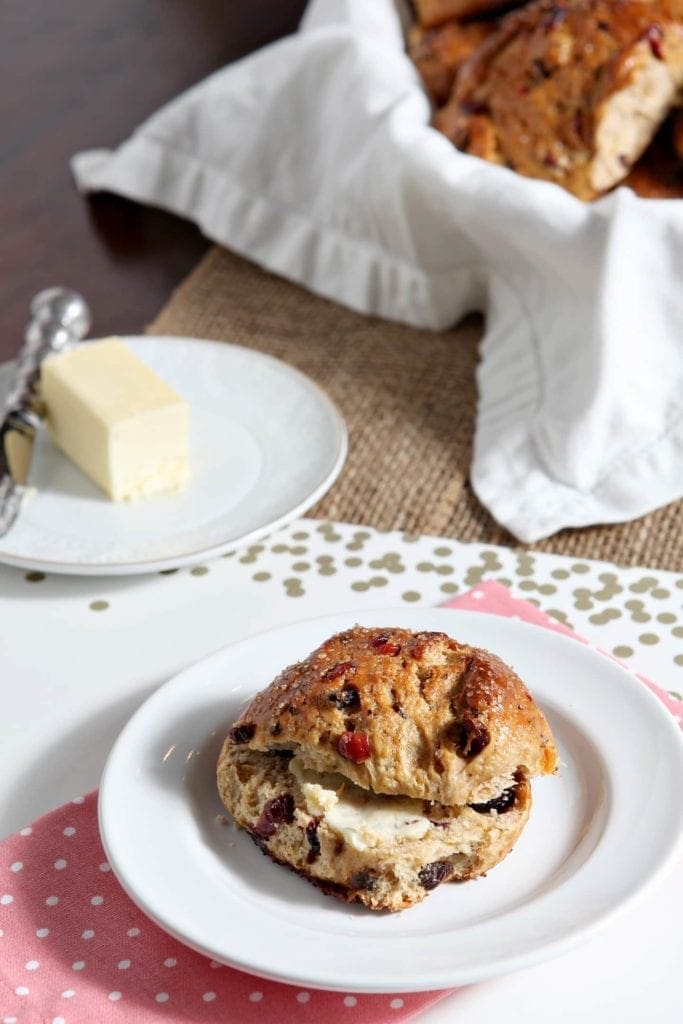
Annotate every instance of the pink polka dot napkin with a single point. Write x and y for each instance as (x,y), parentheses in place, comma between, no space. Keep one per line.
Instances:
(75,950)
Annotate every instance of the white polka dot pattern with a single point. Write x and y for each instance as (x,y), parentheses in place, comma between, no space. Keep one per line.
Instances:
(112,957)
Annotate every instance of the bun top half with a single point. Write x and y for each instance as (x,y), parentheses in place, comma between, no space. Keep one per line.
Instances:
(399,712)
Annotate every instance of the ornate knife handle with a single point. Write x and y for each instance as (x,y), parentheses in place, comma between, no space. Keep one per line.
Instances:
(59,317)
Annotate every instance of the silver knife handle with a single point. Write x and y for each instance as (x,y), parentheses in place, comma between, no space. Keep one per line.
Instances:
(60,318)
(40,339)
(62,306)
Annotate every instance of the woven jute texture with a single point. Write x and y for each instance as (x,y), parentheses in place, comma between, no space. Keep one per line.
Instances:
(408,397)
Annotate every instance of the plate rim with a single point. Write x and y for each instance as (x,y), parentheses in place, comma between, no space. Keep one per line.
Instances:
(569,939)
(198,555)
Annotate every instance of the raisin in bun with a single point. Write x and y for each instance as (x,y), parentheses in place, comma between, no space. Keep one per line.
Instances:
(570,91)
(387,762)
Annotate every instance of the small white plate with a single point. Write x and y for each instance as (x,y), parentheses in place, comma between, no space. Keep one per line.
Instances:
(599,831)
(266,444)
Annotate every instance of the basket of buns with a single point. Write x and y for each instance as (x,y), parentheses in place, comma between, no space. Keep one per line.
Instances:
(583,93)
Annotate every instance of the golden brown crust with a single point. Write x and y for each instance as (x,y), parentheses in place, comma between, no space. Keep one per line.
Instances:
(569,91)
(438,53)
(431,13)
(396,712)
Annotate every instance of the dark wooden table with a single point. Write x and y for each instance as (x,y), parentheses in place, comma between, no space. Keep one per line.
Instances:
(83,73)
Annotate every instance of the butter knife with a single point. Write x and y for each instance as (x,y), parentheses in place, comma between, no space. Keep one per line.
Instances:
(60,317)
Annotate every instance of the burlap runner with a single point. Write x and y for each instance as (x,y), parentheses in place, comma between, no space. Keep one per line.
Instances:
(408,397)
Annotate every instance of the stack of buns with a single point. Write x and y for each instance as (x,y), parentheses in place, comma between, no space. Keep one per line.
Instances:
(584,93)
(386,763)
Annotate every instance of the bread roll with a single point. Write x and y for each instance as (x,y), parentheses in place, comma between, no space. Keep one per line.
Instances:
(387,762)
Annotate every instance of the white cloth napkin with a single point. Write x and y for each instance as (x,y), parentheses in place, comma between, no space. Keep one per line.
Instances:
(315,158)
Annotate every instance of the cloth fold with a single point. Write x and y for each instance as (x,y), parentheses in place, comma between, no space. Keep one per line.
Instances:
(74,948)
(315,158)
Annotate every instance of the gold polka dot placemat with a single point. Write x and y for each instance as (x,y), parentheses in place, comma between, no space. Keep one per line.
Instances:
(408,397)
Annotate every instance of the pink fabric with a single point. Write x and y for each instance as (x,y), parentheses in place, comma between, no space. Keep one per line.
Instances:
(75,950)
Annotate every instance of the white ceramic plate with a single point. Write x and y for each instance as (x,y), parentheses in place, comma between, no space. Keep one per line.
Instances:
(598,833)
(266,444)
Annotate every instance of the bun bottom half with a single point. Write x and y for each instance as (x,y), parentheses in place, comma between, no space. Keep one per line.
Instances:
(424,844)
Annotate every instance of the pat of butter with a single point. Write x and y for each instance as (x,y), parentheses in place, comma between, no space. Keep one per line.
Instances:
(365,820)
(122,425)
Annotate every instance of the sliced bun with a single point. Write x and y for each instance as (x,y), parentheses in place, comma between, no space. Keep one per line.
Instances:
(386,763)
